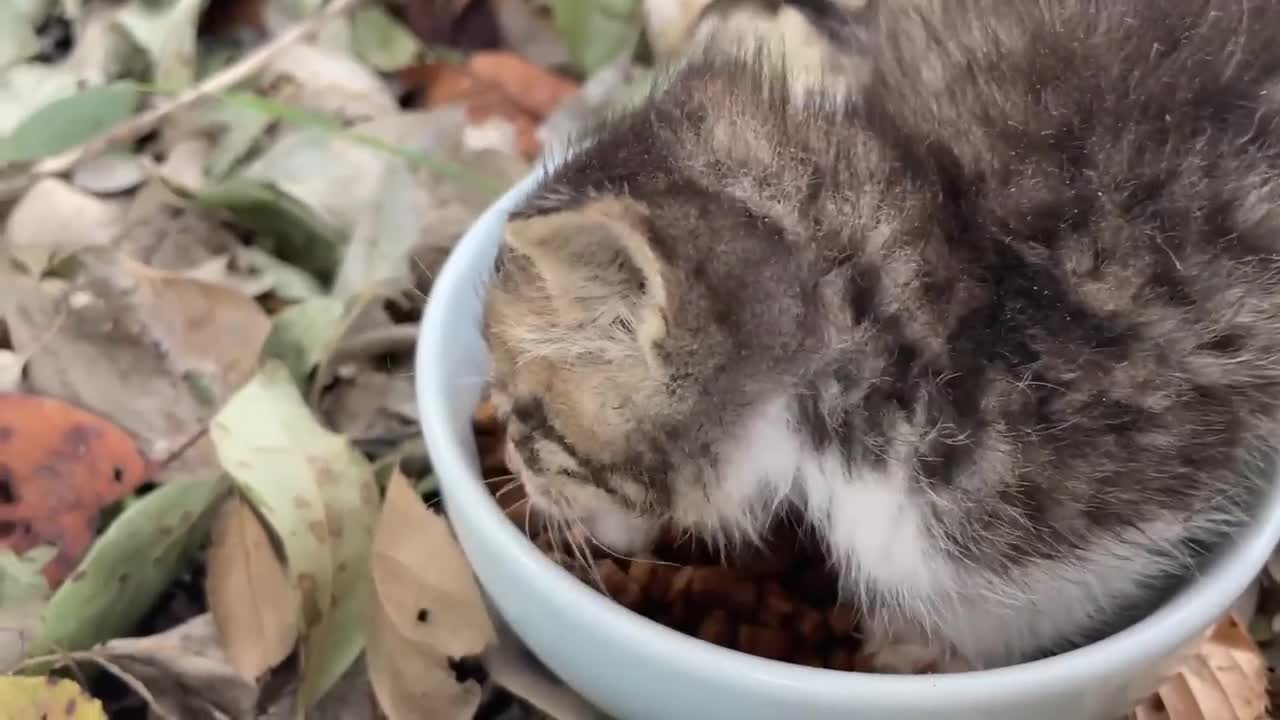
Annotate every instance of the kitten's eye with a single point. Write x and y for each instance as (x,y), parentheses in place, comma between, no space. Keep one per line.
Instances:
(499,262)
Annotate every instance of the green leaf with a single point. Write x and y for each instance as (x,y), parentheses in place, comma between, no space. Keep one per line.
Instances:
(303,334)
(290,229)
(167,33)
(288,282)
(241,127)
(382,41)
(21,577)
(597,31)
(18,40)
(67,122)
(317,494)
(130,565)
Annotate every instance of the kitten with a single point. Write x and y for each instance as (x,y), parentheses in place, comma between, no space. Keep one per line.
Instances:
(1004,330)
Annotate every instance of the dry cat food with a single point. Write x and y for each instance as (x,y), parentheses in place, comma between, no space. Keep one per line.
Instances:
(782,606)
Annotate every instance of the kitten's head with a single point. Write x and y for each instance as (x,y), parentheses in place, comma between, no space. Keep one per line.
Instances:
(627,354)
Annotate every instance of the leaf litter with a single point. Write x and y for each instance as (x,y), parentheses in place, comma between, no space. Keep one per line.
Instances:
(218,225)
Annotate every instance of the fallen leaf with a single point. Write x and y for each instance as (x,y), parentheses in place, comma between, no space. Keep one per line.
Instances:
(317,494)
(597,31)
(205,327)
(427,616)
(167,33)
(328,82)
(286,227)
(22,577)
(130,565)
(1224,679)
(350,698)
(239,128)
(60,466)
(372,405)
(249,594)
(11,367)
(514,668)
(54,219)
(287,282)
(382,41)
(535,89)
(47,698)
(303,334)
(391,225)
(78,350)
(109,173)
(185,671)
(528,29)
(18,39)
(69,121)
(28,87)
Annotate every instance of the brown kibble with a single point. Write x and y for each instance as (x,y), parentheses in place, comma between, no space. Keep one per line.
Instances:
(618,585)
(680,584)
(764,641)
(660,582)
(842,621)
(485,416)
(641,571)
(775,602)
(842,658)
(810,625)
(716,628)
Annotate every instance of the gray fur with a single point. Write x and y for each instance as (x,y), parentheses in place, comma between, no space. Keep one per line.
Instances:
(1040,252)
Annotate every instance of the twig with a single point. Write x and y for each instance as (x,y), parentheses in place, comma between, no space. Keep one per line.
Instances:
(218,82)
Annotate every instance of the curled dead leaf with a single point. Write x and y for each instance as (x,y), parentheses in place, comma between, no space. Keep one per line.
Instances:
(185,671)
(249,594)
(428,617)
(1225,679)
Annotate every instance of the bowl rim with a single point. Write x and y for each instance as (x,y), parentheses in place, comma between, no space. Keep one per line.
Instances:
(1197,606)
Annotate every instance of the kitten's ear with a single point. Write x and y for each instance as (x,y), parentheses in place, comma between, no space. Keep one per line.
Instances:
(598,267)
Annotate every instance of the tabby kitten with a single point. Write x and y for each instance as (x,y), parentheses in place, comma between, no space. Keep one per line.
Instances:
(1004,330)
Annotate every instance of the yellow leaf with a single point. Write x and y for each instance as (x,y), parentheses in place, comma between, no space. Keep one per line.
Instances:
(24,698)
(427,613)
(252,602)
(1225,679)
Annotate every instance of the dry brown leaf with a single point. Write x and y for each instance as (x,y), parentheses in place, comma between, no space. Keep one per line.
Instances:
(1225,679)
(90,362)
(185,671)
(207,327)
(350,698)
(427,614)
(249,593)
(53,219)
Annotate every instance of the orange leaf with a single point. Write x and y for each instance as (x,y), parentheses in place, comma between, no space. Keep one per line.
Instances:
(534,88)
(60,465)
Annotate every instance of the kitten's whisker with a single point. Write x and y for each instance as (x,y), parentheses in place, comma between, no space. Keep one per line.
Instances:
(512,484)
(584,553)
(498,478)
(602,546)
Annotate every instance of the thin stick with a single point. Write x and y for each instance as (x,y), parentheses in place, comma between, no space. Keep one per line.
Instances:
(219,82)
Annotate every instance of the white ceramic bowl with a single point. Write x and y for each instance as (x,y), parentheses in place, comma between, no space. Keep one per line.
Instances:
(632,667)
